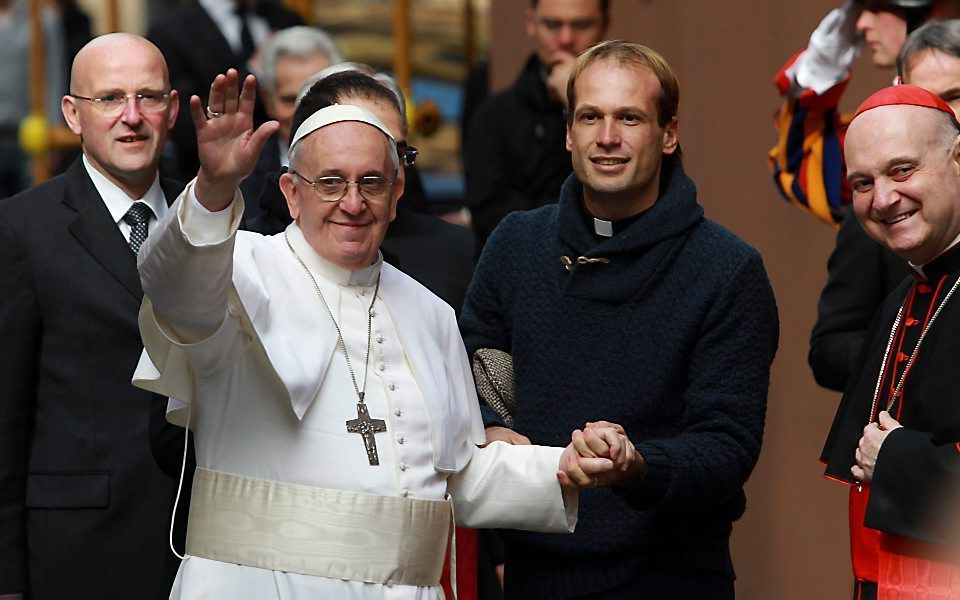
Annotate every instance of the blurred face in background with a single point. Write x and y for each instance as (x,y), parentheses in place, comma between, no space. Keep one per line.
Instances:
(561,28)
(884,28)
(291,73)
(938,72)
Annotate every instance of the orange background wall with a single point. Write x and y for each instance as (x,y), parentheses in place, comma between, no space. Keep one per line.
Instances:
(792,542)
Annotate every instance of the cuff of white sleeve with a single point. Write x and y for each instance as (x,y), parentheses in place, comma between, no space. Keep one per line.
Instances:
(206,228)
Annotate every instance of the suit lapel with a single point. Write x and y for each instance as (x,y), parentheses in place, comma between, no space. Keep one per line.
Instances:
(96,231)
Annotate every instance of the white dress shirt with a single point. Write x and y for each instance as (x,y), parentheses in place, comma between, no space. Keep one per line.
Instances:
(118,202)
(224,14)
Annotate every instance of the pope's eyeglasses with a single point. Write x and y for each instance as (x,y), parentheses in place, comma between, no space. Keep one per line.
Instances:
(333,188)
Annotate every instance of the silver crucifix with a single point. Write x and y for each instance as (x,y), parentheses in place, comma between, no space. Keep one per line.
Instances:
(366,427)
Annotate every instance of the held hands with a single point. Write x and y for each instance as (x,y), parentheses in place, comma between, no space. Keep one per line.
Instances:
(227,144)
(600,455)
(869,447)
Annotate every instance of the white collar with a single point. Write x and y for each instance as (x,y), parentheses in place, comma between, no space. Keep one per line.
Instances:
(919,268)
(118,202)
(326,269)
(284,153)
(219,9)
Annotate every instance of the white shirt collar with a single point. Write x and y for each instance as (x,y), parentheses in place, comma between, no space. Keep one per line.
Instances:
(219,9)
(919,268)
(224,15)
(118,202)
(284,153)
(326,269)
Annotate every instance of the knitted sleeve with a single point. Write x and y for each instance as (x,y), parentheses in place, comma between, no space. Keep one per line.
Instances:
(484,317)
(725,400)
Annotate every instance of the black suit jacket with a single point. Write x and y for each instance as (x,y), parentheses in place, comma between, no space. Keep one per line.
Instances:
(84,507)
(196,52)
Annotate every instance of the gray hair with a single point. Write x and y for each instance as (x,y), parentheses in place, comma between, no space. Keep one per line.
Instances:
(943,36)
(381,78)
(294,41)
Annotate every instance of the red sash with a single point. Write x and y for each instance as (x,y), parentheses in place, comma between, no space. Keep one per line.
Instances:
(912,570)
(904,569)
(864,542)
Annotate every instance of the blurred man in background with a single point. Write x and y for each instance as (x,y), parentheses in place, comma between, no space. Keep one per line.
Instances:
(515,158)
(288,59)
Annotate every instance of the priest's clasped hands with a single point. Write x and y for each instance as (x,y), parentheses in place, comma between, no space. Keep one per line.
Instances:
(599,455)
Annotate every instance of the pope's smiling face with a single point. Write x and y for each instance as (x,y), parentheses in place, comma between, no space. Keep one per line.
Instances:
(347,233)
(902,165)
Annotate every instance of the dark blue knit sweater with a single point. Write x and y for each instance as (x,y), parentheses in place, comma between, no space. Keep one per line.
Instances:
(673,339)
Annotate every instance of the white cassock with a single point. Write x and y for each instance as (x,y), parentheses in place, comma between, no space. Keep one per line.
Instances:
(234,329)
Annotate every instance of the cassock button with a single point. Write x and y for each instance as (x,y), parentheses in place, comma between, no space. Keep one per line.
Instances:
(901,357)
(380,339)
(403,466)
(911,321)
(382,366)
(404,492)
(393,387)
(398,412)
(373,313)
(923,288)
(401,440)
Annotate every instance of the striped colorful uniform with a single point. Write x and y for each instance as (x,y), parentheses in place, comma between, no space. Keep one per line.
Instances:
(807,162)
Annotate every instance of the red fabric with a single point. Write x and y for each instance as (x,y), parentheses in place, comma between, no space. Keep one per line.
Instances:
(912,570)
(466,566)
(864,542)
(909,95)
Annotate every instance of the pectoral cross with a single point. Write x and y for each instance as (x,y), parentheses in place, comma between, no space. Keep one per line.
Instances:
(366,427)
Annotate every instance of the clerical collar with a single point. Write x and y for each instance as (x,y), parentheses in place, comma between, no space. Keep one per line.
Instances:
(607,229)
(326,269)
(945,262)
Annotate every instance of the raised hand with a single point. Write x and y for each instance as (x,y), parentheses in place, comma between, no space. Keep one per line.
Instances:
(227,143)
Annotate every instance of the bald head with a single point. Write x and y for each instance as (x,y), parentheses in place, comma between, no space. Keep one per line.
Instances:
(121,105)
(98,54)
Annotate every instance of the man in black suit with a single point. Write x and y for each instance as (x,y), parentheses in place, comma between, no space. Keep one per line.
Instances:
(84,508)
(202,39)
(515,157)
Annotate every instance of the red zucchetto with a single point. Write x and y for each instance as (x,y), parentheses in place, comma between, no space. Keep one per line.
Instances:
(908,95)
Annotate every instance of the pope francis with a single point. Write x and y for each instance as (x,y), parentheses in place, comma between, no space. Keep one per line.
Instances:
(336,422)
